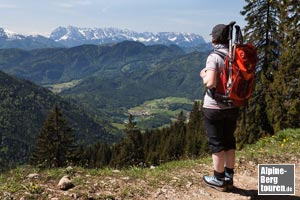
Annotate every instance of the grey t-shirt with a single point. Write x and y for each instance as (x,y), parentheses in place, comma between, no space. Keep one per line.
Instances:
(215,62)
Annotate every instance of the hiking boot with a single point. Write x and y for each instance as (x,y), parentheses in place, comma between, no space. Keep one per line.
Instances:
(215,183)
(229,181)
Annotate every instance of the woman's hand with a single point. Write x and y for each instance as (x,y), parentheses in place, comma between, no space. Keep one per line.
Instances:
(209,77)
(203,73)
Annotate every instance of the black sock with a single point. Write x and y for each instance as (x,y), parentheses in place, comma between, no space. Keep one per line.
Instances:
(229,170)
(219,176)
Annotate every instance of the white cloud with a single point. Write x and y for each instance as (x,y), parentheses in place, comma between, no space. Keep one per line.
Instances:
(73,3)
(64,5)
(7,5)
(105,9)
(83,2)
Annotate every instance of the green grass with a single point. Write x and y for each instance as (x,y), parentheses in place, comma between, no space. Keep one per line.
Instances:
(57,88)
(119,126)
(161,104)
(286,142)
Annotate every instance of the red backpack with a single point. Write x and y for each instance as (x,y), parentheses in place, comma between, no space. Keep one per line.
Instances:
(235,85)
(236,81)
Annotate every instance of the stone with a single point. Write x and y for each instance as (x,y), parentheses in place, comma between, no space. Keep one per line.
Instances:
(32,176)
(65,183)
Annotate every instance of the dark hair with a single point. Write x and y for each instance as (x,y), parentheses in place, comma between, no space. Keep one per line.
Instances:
(220,34)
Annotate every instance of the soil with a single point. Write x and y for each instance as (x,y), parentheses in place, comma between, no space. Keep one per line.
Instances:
(182,184)
(245,187)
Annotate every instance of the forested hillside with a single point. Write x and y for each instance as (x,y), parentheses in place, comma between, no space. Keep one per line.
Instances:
(23,110)
(111,78)
(58,65)
(272,26)
(139,82)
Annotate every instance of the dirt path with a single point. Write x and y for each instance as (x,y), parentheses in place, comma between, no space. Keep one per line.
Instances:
(185,184)
(182,183)
(245,181)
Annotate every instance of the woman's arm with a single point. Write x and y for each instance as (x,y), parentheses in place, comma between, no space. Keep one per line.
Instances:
(209,77)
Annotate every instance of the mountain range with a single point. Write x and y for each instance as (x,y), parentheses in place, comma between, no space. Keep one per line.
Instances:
(73,36)
(10,39)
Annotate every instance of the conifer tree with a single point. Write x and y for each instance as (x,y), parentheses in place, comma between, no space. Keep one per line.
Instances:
(262,27)
(284,111)
(152,143)
(103,155)
(174,145)
(55,143)
(196,142)
(129,152)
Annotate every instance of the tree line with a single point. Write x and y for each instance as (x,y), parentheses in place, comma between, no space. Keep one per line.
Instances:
(56,147)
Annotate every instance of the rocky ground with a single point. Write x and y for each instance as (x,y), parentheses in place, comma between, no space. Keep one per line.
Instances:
(178,184)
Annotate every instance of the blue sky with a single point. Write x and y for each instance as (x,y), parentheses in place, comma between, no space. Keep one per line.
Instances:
(192,16)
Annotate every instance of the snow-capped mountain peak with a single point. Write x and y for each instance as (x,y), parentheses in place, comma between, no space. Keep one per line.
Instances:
(72,36)
(10,35)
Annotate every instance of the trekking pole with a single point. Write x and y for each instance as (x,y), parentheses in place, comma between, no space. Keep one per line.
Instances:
(238,35)
(238,39)
(230,25)
(230,37)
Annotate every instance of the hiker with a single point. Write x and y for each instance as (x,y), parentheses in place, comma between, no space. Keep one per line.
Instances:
(219,119)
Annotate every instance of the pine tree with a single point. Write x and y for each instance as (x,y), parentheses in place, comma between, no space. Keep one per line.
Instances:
(152,142)
(55,143)
(196,142)
(262,27)
(285,108)
(129,152)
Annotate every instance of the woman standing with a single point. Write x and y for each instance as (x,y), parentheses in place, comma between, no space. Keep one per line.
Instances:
(219,119)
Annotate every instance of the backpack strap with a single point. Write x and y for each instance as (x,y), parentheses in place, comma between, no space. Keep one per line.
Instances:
(220,53)
(223,56)
(212,92)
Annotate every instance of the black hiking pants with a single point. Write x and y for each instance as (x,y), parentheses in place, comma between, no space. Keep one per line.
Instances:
(220,125)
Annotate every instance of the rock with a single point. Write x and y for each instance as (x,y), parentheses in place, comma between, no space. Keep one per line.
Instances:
(189,184)
(32,176)
(125,178)
(65,183)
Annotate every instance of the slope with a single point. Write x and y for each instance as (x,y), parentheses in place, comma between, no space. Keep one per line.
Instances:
(58,65)
(23,109)
(137,82)
(111,77)
(180,180)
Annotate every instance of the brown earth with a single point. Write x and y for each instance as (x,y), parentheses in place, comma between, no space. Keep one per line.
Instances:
(182,184)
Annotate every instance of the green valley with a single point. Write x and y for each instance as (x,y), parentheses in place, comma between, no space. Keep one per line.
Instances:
(157,113)
(160,112)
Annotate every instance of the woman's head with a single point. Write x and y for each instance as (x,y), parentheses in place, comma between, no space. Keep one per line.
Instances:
(220,34)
